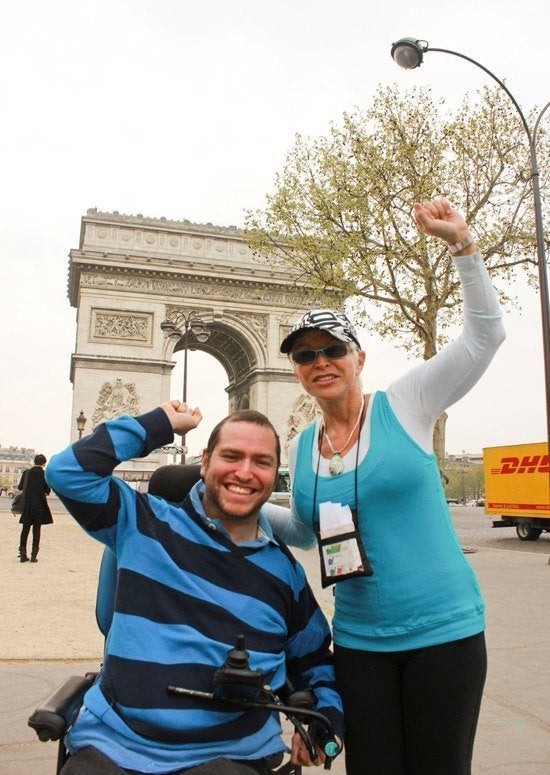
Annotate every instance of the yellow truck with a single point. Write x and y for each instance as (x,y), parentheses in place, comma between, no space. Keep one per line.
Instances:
(517,488)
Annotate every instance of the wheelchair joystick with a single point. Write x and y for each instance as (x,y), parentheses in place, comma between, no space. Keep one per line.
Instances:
(235,678)
(237,657)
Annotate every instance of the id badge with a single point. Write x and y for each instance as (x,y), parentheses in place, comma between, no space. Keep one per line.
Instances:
(340,547)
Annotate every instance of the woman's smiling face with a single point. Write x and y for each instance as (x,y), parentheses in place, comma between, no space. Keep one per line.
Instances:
(325,379)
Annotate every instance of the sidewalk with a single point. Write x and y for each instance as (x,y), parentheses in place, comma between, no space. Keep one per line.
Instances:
(48,632)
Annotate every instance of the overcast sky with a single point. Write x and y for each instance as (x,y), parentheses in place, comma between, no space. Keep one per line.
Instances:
(187,110)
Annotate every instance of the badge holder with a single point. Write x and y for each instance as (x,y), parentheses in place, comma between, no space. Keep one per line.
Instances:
(342,554)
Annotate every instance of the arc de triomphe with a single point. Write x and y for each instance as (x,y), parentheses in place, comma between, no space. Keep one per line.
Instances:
(131,273)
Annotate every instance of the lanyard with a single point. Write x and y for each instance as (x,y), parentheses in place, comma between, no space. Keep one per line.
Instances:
(342,556)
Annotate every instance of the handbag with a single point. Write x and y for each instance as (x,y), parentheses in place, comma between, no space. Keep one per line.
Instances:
(18,503)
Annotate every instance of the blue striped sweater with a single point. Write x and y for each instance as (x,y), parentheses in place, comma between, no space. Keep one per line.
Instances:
(184,592)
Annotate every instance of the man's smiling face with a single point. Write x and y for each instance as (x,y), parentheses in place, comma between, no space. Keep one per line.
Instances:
(240,473)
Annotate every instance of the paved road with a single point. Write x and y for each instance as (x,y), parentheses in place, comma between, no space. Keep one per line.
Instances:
(48,632)
(475,528)
(472,520)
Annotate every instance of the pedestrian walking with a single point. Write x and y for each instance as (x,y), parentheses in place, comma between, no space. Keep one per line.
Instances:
(36,511)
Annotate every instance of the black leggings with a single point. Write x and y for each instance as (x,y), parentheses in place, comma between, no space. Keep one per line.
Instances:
(412,712)
(25,530)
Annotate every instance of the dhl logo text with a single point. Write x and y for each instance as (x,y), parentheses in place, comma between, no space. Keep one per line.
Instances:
(525,465)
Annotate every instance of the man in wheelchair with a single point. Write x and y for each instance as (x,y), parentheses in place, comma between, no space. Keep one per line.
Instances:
(192,577)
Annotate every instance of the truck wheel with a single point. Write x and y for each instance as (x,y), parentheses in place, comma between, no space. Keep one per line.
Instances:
(527,532)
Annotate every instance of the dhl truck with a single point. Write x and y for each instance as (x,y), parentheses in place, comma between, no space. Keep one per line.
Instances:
(517,488)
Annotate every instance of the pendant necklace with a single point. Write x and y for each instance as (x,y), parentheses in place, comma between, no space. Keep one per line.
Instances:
(336,465)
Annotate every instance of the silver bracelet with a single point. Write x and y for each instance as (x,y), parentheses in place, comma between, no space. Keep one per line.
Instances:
(458,246)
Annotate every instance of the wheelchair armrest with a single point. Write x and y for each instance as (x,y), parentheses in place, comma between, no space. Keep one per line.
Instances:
(53,716)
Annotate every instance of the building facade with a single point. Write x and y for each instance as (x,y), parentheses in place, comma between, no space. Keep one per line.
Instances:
(13,461)
(146,288)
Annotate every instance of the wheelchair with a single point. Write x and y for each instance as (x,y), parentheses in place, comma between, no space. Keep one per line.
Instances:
(234,682)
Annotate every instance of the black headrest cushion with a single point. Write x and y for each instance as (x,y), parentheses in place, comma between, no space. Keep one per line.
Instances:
(173,482)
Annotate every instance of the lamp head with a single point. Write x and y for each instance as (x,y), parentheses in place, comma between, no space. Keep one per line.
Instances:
(409,52)
(81,420)
(201,332)
(171,331)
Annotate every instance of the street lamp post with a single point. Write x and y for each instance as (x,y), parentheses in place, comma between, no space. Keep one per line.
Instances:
(81,423)
(182,326)
(409,53)
(463,485)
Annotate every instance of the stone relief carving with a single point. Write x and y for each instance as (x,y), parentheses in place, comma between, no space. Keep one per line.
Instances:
(304,411)
(115,398)
(243,402)
(257,324)
(126,326)
(229,290)
(165,243)
(115,281)
(176,313)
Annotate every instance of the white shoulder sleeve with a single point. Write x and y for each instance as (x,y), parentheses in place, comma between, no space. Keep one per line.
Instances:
(284,522)
(422,394)
(288,527)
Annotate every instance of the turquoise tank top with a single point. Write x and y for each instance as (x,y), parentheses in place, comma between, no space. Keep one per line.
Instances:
(423,591)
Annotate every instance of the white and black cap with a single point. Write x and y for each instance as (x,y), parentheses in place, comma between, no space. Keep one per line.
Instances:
(335,323)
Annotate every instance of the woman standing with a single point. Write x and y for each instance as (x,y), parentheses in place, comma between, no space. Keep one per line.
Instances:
(36,511)
(409,617)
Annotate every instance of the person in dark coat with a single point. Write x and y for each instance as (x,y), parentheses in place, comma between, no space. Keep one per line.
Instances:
(36,511)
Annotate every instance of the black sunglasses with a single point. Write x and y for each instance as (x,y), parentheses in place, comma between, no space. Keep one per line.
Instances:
(332,353)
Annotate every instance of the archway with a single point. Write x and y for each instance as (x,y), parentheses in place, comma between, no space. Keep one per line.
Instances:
(207,384)
(131,273)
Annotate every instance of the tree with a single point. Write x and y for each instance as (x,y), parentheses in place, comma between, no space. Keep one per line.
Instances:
(464,483)
(341,212)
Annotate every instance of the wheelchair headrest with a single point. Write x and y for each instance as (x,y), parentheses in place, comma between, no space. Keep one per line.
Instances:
(173,482)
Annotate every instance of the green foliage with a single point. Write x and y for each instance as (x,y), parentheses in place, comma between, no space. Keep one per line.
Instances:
(341,212)
(464,483)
